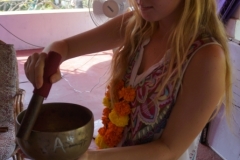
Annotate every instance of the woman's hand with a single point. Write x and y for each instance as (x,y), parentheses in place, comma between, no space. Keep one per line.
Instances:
(34,69)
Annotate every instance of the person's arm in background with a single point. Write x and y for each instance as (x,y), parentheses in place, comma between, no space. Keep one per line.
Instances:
(107,36)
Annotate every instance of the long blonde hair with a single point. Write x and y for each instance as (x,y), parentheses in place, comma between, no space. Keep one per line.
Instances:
(196,15)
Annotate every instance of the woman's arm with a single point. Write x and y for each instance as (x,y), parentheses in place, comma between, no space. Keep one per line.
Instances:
(201,91)
(104,37)
(107,36)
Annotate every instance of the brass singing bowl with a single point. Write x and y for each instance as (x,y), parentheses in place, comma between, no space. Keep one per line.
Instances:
(63,131)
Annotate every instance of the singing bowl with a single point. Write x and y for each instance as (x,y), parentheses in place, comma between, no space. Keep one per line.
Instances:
(62,131)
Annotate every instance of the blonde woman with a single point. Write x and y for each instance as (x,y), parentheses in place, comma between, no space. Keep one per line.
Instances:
(173,72)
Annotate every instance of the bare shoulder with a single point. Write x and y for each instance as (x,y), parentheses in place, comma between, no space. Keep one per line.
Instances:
(207,70)
(209,56)
(208,63)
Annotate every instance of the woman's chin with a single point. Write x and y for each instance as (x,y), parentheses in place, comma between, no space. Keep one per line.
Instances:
(149,17)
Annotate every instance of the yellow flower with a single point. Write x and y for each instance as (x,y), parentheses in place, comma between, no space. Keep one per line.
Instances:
(100,142)
(106,102)
(120,121)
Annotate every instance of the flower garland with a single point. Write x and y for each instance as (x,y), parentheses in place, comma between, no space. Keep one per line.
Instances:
(115,117)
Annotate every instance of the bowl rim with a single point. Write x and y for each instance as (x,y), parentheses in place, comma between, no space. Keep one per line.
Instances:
(87,109)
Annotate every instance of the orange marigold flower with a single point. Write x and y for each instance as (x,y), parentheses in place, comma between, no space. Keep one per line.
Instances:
(113,135)
(122,108)
(105,120)
(102,131)
(128,94)
(111,125)
(107,94)
(115,117)
(114,127)
(106,112)
(120,85)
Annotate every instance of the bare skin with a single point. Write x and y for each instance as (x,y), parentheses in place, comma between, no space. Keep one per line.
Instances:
(195,103)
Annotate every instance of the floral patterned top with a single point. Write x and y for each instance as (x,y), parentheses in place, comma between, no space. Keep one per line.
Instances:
(149,115)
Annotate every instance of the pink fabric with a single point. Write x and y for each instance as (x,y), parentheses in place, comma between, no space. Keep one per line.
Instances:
(8,89)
